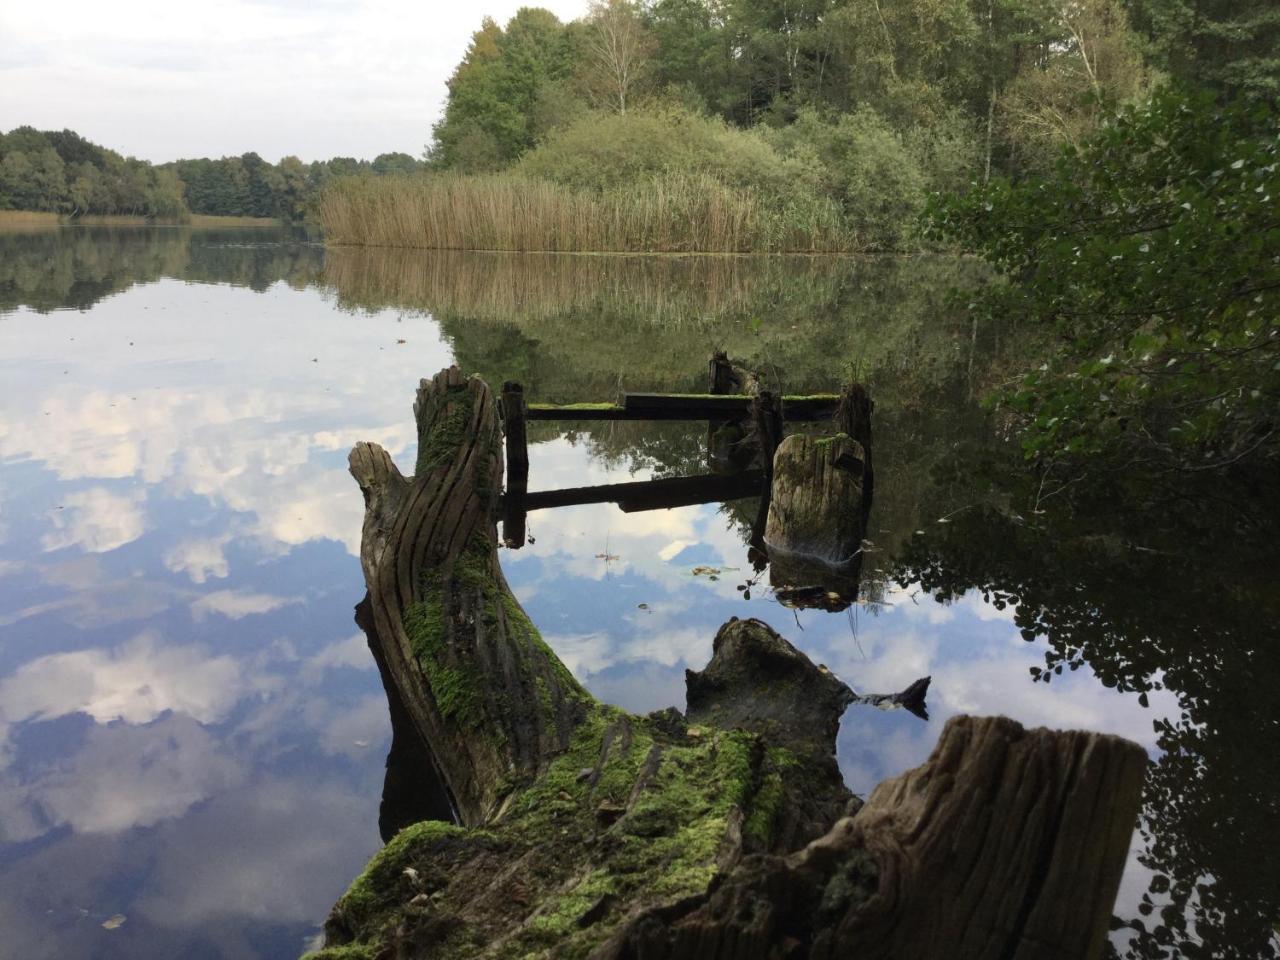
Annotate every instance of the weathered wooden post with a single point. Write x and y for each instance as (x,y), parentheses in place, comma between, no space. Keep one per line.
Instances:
(726,833)
(816,521)
(517,443)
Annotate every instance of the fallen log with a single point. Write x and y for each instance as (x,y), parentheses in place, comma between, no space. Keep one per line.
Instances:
(724,832)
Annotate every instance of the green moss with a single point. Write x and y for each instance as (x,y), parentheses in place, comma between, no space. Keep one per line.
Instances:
(821,442)
(560,920)
(351,951)
(759,825)
(545,703)
(448,432)
(814,397)
(573,406)
(455,687)
(377,890)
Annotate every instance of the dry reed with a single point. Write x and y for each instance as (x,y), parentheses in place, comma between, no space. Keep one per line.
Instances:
(511,212)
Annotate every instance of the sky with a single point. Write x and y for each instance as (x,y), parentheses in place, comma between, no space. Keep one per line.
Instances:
(167,79)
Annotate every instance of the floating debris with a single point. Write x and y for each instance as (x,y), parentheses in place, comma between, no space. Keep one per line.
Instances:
(113,923)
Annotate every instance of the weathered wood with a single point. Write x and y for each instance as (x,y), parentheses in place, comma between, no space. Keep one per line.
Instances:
(413,789)
(721,834)
(455,641)
(517,446)
(694,407)
(767,427)
(816,520)
(815,509)
(1007,844)
(661,494)
(683,407)
(728,446)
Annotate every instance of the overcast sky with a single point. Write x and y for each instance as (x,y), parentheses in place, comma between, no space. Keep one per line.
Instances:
(164,79)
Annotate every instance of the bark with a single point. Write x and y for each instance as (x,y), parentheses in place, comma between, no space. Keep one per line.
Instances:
(724,832)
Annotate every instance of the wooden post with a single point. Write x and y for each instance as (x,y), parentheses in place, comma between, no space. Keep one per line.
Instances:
(513,428)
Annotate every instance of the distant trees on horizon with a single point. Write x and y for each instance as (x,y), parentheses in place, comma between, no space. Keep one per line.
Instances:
(62,172)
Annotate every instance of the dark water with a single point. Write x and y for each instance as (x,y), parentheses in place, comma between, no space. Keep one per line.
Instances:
(193,734)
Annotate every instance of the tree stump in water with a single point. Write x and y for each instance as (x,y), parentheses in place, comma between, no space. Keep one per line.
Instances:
(723,833)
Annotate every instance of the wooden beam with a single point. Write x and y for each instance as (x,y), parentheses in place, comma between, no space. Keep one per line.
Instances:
(639,495)
(674,406)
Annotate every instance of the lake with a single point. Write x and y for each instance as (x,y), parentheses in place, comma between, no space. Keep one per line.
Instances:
(193,734)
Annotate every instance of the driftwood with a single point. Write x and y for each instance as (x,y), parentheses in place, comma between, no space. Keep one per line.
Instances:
(725,832)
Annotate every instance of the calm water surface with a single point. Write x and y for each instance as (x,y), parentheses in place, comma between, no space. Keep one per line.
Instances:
(193,733)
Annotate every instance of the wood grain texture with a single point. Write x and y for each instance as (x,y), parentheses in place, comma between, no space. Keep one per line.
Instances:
(483,691)
(1006,844)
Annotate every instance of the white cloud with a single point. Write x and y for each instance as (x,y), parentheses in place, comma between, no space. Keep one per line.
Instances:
(122,777)
(199,559)
(135,682)
(582,653)
(351,653)
(238,604)
(97,521)
(164,80)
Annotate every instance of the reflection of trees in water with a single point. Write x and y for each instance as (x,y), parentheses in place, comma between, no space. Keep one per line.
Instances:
(575,328)
(1120,580)
(78,266)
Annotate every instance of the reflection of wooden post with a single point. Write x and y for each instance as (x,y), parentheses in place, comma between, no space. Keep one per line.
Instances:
(766,415)
(513,427)
(854,419)
(720,381)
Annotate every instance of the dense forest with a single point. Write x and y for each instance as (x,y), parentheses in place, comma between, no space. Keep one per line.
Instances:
(812,125)
(61,172)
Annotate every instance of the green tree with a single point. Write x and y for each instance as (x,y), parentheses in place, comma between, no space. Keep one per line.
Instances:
(1151,257)
(1088,61)
(494,94)
(1231,46)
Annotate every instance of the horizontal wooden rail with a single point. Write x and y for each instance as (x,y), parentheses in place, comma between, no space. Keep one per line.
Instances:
(676,406)
(638,495)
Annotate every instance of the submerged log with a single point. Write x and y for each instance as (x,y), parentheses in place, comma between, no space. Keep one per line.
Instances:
(725,832)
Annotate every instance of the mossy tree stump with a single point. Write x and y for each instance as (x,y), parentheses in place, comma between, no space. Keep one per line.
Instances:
(725,832)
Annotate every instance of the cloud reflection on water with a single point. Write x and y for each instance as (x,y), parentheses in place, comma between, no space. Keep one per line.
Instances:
(190,731)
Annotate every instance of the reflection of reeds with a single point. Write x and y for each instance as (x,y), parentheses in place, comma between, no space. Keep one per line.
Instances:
(516,287)
(509,212)
(27,220)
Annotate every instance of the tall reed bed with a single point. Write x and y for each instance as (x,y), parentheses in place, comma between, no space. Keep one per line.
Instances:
(513,212)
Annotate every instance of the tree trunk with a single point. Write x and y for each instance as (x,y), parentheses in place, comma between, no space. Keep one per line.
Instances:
(725,832)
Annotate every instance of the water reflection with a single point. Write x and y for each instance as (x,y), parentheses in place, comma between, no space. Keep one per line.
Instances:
(193,733)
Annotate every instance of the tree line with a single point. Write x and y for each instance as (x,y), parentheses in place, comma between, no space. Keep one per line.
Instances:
(1008,82)
(62,172)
